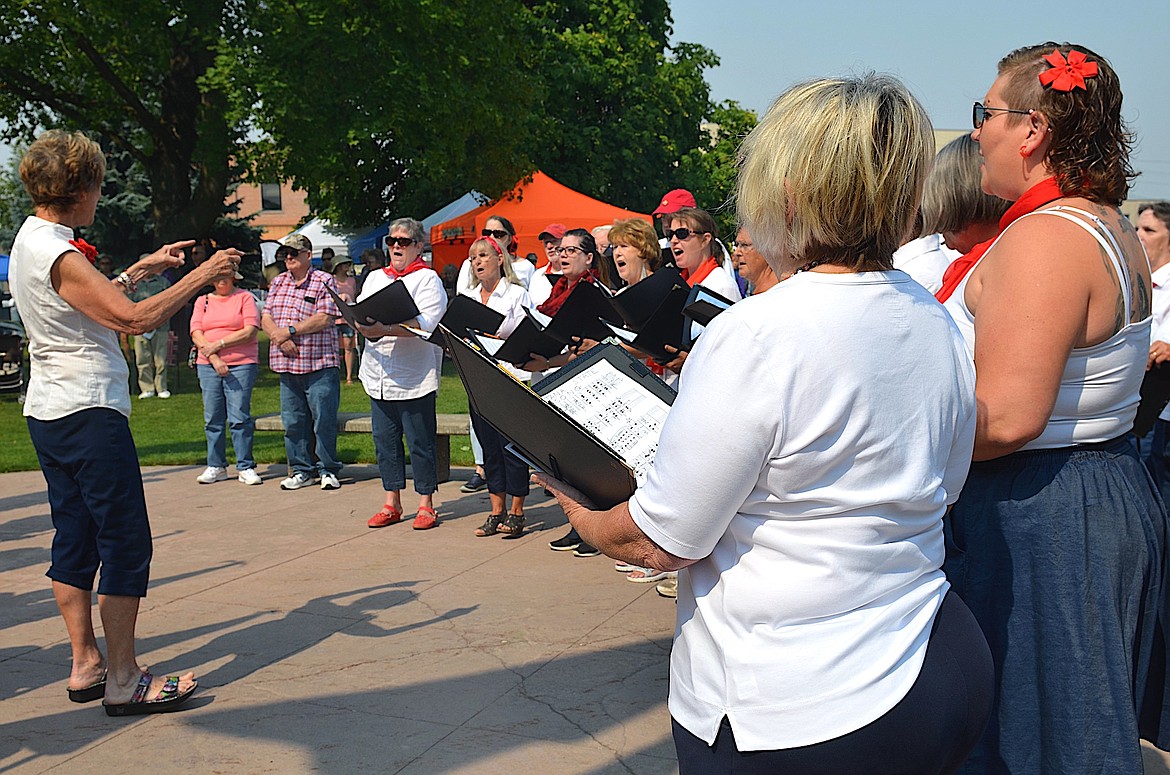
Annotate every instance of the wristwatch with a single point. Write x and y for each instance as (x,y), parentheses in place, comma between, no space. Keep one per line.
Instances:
(292,330)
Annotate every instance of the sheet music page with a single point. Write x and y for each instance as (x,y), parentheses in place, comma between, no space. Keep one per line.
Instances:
(617,410)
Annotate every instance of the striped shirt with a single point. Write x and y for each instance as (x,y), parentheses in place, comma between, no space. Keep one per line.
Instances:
(290,303)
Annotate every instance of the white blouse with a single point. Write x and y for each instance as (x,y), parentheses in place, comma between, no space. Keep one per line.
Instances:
(399,368)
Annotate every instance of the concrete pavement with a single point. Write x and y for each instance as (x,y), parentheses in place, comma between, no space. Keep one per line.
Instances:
(324,646)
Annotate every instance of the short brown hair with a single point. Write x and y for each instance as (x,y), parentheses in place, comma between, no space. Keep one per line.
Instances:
(59,167)
(1089,154)
(700,221)
(641,236)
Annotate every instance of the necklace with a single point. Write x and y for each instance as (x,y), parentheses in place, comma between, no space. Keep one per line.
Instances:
(808,267)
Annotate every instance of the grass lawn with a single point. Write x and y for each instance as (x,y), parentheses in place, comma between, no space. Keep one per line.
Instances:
(170,432)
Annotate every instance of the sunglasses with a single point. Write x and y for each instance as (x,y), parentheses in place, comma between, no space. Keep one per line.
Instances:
(980,113)
(681,233)
(402,242)
(497,233)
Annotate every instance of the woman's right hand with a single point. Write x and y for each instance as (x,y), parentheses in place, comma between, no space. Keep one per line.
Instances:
(220,367)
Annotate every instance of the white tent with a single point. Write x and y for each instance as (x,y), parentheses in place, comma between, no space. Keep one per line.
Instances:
(323,235)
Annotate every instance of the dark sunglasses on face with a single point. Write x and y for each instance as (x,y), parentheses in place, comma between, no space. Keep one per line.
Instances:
(980,113)
(402,242)
(497,233)
(681,233)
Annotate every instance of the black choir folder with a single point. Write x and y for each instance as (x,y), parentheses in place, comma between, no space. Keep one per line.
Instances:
(593,424)
(1155,394)
(393,304)
(463,316)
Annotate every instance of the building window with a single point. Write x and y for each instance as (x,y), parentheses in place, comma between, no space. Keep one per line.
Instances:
(270,196)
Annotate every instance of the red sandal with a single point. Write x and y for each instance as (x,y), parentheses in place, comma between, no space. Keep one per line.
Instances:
(426,518)
(387,516)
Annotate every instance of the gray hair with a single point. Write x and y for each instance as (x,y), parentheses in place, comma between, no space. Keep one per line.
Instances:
(417,232)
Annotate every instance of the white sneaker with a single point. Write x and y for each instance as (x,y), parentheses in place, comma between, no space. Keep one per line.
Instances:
(329,482)
(297,481)
(146,394)
(212,474)
(164,394)
(249,476)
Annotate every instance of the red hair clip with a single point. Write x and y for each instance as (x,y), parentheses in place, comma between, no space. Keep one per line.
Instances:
(1066,75)
(85,249)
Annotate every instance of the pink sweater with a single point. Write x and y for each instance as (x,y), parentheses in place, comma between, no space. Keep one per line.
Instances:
(220,316)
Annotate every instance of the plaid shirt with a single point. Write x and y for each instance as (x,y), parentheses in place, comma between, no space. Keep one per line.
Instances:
(288,304)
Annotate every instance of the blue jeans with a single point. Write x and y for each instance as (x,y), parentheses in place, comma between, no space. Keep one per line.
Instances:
(227,402)
(415,418)
(308,407)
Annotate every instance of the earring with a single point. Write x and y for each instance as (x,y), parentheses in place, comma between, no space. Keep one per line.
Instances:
(1024,152)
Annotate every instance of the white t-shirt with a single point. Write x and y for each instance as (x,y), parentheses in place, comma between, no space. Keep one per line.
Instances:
(76,362)
(813,503)
(399,368)
(925,259)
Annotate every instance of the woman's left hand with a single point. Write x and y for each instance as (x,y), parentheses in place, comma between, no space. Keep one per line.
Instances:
(375,330)
(168,256)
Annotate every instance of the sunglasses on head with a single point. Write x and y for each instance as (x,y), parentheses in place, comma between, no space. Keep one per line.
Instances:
(681,233)
(402,242)
(497,233)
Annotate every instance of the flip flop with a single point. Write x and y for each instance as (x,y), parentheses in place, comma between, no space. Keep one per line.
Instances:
(94,691)
(170,698)
(648,575)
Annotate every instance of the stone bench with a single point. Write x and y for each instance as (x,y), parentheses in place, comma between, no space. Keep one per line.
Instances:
(446,426)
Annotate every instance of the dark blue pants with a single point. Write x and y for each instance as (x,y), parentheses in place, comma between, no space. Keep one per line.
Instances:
(503,471)
(414,418)
(930,731)
(98,507)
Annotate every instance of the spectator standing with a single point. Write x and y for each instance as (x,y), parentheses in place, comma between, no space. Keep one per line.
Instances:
(347,290)
(298,318)
(150,347)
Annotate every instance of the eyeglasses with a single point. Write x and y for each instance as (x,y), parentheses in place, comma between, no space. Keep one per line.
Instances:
(567,250)
(980,113)
(681,233)
(497,233)
(402,242)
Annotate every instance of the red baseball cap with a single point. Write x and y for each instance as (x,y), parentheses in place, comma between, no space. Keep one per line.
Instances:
(554,231)
(675,200)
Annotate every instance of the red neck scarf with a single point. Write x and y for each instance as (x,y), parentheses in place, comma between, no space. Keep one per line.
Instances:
(1034,198)
(701,272)
(413,266)
(561,290)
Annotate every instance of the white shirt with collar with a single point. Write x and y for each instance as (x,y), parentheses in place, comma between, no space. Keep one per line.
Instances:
(509,300)
(399,368)
(1160,325)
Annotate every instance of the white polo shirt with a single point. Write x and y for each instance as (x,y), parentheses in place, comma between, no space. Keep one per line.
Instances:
(813,502)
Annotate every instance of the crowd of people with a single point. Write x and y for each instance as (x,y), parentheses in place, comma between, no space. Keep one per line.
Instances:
(931,544)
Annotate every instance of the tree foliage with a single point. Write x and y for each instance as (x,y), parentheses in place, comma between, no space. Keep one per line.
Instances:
(158,80)
(708,171)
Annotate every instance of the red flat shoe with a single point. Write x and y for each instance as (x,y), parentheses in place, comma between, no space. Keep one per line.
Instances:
(387,516)
(426,518)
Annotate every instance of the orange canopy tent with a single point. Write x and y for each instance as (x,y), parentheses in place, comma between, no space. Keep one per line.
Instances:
(530,208)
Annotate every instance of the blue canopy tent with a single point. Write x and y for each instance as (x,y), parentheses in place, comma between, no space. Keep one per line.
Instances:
(375,237)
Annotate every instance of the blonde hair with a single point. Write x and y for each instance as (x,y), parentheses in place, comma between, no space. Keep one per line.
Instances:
(506,271)
(953,198)
(834,172)
(60,167)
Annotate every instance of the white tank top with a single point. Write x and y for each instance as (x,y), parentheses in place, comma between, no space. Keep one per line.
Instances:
(1099,389)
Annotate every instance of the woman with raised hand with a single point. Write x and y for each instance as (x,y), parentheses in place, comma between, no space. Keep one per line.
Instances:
(816,631)
(1059,540)
(78,409)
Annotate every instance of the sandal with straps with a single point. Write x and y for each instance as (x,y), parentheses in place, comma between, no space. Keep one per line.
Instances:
(491,525)
(512,526)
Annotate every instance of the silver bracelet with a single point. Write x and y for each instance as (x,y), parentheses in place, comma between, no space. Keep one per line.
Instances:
(124,280)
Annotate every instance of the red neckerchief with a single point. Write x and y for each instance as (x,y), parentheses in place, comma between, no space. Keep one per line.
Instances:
(413,266)
(561,290)
(701,273)
(1033,199)
(85,249)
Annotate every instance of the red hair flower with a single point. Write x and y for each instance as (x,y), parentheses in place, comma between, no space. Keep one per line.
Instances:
(85,249)
(1066,75)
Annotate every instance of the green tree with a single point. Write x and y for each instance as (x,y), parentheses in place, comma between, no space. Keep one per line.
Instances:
(158,80)
(621,107)
(708,171)
(15,204)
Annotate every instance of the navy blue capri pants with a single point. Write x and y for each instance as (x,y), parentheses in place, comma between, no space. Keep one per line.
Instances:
(96,500)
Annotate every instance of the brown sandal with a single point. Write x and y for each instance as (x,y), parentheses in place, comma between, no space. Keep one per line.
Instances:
(491,526)
(513,525)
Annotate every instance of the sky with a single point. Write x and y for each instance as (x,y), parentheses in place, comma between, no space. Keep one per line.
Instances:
(945,52)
